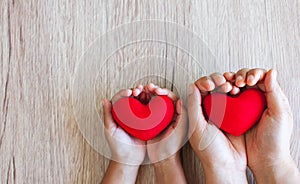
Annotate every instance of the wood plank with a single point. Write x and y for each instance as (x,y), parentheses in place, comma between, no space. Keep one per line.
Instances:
(41,46)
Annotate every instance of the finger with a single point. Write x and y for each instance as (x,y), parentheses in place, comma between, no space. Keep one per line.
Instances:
(201,133)
(137,91)
(225,88)
(179,107)
(150,87)
(277,102)
(235,90)
(218,79)
(121,94)
(164,91)
(255,75)
(195,114)
(109,123)
(229,76)
(182,114)
(140,87)
(205,84)
(220,82)
(161,91)
(240,79)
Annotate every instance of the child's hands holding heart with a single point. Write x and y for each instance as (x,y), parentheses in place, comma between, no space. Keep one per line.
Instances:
(169,142)
(127,149)
(163,150)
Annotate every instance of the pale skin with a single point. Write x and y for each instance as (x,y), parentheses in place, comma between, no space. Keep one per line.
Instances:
(264,148)
(123,167)
(223,156)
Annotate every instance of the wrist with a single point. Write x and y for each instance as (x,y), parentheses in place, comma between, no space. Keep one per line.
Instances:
(169,170)
(126,172)
(125,167)
(168,162)
(120,173)
(224,173)
(277,171)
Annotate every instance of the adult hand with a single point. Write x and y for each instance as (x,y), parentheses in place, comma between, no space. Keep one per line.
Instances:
(222,155)
(268,143)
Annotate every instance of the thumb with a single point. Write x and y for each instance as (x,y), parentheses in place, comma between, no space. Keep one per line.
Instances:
(108,119)
(196,117)
(277,102)
(201,133)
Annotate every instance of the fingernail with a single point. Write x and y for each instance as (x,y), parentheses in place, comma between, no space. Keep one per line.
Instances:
(240,81)
(239,78)
(250,78)
(129,92)
(191,89)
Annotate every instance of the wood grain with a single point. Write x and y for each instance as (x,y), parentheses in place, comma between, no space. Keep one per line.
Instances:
(42,43)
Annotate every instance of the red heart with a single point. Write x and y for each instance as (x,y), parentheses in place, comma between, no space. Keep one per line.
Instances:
(235,114)
(143,121)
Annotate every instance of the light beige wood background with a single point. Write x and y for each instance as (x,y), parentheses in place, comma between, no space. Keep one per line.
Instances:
(42,42)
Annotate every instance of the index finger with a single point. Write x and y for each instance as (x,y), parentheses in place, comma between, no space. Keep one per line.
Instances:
(165,91)
(122,93)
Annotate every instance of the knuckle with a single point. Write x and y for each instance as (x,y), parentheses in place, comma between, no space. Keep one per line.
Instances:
(203,79)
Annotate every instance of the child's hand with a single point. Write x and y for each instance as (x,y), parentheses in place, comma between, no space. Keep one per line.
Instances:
(125,148)
(163,150)
(170,140)
(268,143)
(222,155)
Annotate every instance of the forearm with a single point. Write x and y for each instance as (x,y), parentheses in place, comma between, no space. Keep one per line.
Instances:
(223,175)
(169,171)
(217,172)
(120,173)
(280,172)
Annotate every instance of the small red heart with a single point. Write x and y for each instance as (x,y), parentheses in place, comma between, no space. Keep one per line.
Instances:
(235,114)
(143,121)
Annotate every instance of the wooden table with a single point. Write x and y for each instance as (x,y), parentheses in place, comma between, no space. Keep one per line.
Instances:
(42,44)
